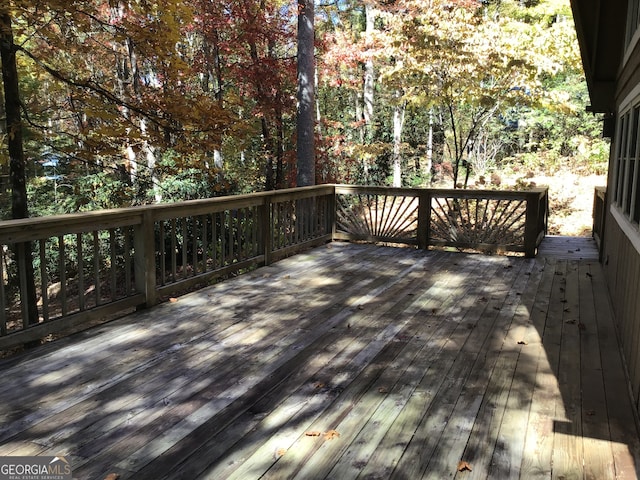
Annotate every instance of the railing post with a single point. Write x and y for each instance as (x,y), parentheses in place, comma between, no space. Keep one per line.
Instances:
(144,252)
(333,213)
(424,219)
(266,229)
(531,224)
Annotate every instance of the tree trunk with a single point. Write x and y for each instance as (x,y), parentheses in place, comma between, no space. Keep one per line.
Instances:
(398,124)
(306,95)
(17,167)
(369,77)
(214,74)
(368,91)
(429,166)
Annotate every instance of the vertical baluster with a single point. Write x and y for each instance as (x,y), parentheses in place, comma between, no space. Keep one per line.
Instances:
(114,264)
(293,218)
(214,240)
(163,254)
(195,242)
(223,237)
(275,215)
(308,213)
(174,253)
(205,242)
(185,249)
(80,257)
(301,218)
(232,225)
(254,231)
(128,232)
(3,301)
(96,267)
(44,278)
(240,247)
(62,266)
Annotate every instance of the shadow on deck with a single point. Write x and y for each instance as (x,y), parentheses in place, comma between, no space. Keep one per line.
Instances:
(348,361)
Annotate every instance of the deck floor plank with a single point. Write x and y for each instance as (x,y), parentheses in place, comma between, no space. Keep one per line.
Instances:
(491,420)
(568,452)
(418,360)
(536,462)
(595,418)
(493,375)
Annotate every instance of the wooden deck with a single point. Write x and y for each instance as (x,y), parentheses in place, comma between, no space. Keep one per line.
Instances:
(348,361)
(569,248)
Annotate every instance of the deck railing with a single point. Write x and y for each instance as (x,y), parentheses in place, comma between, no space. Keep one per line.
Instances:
(599,202)
(92,265)
(486,220)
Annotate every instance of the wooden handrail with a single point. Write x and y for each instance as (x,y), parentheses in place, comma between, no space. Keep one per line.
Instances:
(97,263)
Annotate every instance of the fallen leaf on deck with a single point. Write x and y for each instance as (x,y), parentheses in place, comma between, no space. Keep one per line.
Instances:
(280,452)
(318,385)
(331,434)
(571,322)
(313,433)
(173,300)
(522,342)
(462,466)
(383,390)
(582,326)
(112,476)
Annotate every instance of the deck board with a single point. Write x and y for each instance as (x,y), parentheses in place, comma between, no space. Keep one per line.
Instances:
(416,360)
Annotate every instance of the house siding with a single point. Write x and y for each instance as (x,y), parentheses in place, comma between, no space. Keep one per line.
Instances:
(621,263)
(621,239)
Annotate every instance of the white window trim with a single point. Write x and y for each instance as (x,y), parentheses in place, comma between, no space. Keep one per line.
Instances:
(624,220)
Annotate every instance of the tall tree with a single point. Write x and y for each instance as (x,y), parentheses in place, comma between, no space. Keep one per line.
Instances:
(306,94)
(19,208)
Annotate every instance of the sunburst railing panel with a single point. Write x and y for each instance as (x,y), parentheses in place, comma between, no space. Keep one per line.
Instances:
(485,220)
(376,215)
(478,221)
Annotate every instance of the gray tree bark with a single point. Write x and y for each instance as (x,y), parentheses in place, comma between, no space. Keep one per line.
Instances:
(17,170)
(306,95)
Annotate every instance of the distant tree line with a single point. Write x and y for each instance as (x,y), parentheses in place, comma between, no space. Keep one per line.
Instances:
(130,102)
